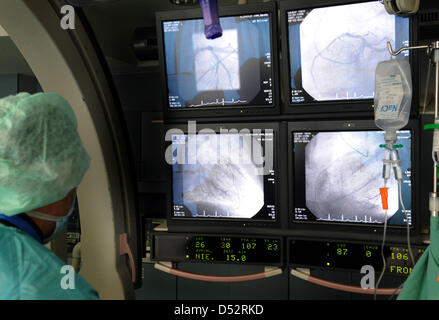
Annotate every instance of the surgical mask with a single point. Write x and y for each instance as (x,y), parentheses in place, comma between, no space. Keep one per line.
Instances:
(61,222)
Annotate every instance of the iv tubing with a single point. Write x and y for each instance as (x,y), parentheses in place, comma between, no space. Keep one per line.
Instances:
(382,256)
(408,225)
(436,93)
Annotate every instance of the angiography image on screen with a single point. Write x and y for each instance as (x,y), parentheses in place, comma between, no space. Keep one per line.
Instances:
(232,70)
(337,176)
(221,179)
(334,50)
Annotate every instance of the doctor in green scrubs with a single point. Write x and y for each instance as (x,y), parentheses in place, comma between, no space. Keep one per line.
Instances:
(42,162)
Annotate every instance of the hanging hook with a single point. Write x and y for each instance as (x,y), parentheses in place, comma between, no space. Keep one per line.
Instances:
(395,53)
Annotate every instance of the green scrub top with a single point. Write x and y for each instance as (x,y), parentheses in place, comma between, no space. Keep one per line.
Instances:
(30,271)
(423,282)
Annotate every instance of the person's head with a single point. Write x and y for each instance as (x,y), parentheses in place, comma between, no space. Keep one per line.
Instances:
(51,219)
(42,159)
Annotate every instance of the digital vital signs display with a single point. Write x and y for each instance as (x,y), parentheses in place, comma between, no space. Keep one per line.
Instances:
(231,249)
(352,256)
(217,248)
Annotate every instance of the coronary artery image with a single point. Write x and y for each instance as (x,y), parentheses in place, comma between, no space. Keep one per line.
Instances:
(342,176)
(222,180)
(334,50)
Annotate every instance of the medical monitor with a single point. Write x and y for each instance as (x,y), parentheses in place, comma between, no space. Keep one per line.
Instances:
(223,174)
(234,74)
(336,175)
(331,52)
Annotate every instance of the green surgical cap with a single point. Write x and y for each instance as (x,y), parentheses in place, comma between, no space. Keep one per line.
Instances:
(41,154)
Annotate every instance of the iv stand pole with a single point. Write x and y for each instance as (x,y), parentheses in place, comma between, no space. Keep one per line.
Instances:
(433,50)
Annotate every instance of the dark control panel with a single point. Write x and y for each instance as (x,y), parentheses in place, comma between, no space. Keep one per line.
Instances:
(352,256)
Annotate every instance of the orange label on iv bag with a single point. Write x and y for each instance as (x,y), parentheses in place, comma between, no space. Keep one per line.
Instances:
(384,193)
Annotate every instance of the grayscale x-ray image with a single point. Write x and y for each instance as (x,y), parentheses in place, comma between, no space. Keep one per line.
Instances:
(222,183)
(341,47)
(343,172)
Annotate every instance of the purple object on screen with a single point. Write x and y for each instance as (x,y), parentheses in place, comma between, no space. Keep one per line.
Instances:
(212,27)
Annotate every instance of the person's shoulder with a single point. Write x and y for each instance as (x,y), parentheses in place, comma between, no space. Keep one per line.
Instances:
(8,238)
(10,233)
(16,239)
(6,231)
(29,270)
(9,277)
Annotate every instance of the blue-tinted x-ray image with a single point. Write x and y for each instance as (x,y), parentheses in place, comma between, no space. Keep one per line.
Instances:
(334,51)
(232,70)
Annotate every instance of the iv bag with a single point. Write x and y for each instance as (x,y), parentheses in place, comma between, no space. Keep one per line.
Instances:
(393,94)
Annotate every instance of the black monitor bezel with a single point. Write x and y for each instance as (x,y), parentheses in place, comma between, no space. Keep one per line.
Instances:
(348,231)
(240,111)
(225,225)
(337,106)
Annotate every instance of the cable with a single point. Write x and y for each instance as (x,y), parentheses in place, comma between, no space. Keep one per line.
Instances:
(342,287)
(269,272)
(394,292)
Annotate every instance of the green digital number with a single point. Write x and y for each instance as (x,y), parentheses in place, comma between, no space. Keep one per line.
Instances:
(272,247)
(368,253)
(342,251)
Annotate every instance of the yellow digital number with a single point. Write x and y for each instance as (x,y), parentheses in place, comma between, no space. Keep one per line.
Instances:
(400,256)
(225,245)
(199,244)
(249,246)
(272,247)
